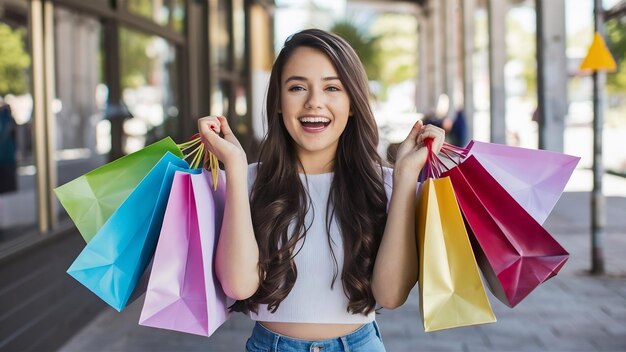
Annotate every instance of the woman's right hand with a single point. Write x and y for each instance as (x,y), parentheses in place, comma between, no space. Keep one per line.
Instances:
(219,139)
(412,154)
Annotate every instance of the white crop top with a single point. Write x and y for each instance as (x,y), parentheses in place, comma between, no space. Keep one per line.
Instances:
(311,299)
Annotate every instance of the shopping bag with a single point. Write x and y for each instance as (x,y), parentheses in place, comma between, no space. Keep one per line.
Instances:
(92,198)
(450,288)
(114,260)
(183,291)
(514,252)
(534,178)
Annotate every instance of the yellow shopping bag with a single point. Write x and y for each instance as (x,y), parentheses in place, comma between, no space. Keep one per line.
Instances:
(450,288)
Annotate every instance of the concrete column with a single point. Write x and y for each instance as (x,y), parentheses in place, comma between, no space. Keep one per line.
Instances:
(451,53)
(195,67)
(497,10)
(467,51)
(428,63)
(422,95)
(552,73)
(436,53)
(261,58)
(42,44)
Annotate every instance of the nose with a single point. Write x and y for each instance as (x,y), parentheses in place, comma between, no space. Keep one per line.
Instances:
(314,100)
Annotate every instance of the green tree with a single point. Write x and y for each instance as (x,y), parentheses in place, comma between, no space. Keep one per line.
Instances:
(141,7)
(364,45)
(522,46)
(398,47)
(135,64)
(616,41)
(14,61)
(387,46)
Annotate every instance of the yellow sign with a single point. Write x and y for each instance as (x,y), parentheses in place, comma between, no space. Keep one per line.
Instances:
(598,57)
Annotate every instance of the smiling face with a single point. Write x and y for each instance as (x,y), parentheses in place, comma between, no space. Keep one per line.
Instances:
(315,107)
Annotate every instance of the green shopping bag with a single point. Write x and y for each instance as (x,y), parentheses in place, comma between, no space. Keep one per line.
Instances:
(91,198)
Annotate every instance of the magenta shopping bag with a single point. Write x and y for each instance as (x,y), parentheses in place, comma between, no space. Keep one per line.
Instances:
(515,253)
(534,178)
(183,292)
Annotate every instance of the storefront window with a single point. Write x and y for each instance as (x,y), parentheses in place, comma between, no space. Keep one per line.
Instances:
(168,13)
(81,132)
(150,84)
(242,126)
(17,172)
(177,21)
(221,49)
(239,40)
(219,98)
(241,101)
(101,3)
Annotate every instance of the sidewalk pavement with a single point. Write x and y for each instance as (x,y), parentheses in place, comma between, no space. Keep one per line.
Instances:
(571,312)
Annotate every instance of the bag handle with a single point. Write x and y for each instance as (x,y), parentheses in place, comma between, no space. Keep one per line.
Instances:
(199,156)
(434,167)
(455,150)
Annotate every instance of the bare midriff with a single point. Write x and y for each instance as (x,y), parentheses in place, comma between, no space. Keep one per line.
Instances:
(310,331)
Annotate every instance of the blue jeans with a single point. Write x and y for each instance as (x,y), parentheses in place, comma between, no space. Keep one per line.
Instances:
(365,339)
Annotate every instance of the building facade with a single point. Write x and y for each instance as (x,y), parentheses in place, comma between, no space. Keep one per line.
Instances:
(86,82)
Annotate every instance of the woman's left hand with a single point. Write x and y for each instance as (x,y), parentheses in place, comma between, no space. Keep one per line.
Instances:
(412,153)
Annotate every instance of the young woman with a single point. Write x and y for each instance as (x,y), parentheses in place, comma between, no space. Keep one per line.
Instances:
(320,239)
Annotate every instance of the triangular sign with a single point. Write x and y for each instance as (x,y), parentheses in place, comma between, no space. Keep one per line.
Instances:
(598,57)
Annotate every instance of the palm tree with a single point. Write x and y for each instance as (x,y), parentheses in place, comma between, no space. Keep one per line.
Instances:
(365,45)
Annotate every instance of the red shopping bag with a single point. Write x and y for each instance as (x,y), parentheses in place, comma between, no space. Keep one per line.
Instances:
(515,253)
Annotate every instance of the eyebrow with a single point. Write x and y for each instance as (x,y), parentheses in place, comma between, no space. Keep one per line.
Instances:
(301,78)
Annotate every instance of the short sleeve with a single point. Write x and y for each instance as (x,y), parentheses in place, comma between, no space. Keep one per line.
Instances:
(388,183)
(252,170)
(388,180)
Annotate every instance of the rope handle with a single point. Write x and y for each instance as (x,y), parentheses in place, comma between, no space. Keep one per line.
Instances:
(435,166)
(454,150)
(200,157)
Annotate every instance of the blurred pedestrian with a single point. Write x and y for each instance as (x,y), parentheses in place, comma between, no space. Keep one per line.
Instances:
(456,133)
(430,118)
(8,162)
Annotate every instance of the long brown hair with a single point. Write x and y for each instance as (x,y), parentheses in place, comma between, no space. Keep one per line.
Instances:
(279,198)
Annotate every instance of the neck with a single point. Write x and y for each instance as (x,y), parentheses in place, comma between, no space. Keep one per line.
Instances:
(316,163)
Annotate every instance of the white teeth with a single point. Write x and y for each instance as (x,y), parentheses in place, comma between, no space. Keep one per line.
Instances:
(314,119)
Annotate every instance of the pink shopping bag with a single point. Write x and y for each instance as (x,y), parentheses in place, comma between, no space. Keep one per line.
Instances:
(183,292)
(534,178)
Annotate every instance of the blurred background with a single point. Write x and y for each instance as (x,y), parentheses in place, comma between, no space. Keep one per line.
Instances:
(86,82)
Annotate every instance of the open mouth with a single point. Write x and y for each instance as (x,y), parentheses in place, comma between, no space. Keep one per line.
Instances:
(314,124)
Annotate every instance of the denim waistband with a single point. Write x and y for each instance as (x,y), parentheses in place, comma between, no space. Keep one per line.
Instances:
(350,342)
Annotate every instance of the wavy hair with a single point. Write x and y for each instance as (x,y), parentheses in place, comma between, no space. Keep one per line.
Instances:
(279,199)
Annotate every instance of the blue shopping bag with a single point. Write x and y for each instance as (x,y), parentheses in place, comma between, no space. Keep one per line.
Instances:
(114,260)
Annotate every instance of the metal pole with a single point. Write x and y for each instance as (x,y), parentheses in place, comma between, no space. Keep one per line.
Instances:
(598,215)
